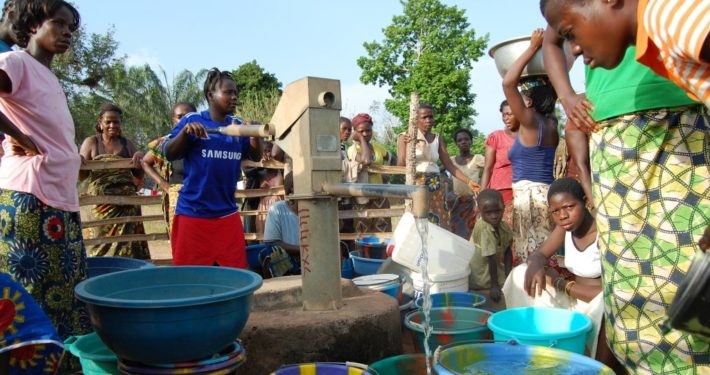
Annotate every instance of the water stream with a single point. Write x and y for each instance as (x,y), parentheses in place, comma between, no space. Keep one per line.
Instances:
(422,225)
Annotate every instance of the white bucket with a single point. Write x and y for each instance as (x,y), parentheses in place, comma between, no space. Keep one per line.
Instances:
(452,282)
(448,253)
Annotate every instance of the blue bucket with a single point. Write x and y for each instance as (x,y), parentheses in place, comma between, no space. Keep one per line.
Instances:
(322,369)
(449,325)
(346,269)
(405,364)
(453,299)
(386,283)
(97,266)
(513,359)
(365,266)
(542,326)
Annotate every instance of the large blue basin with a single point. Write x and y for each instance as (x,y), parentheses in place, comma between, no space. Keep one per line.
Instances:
(97,266)
(169,314)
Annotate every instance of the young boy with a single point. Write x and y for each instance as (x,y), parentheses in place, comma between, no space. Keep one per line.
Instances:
(671,37)
(491,238)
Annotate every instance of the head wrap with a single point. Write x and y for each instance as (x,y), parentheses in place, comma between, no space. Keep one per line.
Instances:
(529,83)
(361,118)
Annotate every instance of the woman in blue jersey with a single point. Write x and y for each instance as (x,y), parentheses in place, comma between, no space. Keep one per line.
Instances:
(207,229)
(532,155)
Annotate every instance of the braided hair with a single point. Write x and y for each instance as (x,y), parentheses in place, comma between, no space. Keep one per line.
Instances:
(214,77)
(540,90)
(32,13)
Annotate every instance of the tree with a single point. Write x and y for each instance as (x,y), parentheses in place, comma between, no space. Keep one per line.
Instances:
(428,50)
(91,73)
(258,92)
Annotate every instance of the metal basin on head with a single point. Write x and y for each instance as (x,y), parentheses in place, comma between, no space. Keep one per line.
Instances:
(506,52)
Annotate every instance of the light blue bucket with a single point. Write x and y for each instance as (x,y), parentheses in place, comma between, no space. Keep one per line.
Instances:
(542,326)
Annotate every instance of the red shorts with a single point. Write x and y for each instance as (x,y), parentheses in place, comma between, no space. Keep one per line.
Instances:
(197,241)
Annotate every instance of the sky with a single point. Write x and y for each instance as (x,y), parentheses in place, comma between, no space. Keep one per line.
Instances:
(296,38)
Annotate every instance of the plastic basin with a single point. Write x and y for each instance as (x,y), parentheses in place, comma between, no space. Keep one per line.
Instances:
(94,356)
(364,266)
(371,247)
(405,364)
(453,299)
(543,326)
(385,282)
(97,266)
(321,369)
(494,358)
(169,314)
(449,325)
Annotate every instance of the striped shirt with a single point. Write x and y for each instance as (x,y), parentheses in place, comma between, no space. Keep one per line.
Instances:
(669,40)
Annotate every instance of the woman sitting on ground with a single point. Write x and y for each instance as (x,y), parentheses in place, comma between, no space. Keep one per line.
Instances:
(535,284)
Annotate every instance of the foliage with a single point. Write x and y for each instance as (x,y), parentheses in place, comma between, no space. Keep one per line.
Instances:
(429,49)
(91,74)
(259,92)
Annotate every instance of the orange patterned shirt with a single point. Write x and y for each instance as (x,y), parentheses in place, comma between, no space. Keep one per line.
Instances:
(669,39)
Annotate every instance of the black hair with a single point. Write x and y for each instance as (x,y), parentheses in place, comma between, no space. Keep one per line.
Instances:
(345,119)
(32,13)
(191,107)
(566,185)
(288,183)
(107,107)
(425,106)
(544,3)
(462,130)
(541,92)
(503,104)
(489,195)
(214,77)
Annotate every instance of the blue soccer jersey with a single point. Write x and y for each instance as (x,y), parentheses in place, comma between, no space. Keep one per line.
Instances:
(212,168)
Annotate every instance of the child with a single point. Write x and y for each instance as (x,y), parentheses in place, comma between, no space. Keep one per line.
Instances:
(41,246)
(671,37)
(536,285)
(207,228)
(169,179)
(491,238)
(532,154)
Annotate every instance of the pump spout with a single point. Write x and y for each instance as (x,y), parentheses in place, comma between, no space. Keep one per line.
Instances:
(262,131)
(418,193)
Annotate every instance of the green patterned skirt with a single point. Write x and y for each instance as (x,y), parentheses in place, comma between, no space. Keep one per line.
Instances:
(652,190)
(43,250)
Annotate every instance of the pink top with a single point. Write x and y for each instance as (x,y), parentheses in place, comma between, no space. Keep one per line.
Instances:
(38,107)
(502,175)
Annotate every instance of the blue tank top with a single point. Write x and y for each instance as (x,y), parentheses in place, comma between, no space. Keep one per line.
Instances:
(532,163)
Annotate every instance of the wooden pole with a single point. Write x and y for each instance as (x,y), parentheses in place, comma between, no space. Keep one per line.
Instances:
(411,146)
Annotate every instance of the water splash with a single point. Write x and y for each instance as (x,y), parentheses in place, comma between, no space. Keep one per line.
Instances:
(423,228)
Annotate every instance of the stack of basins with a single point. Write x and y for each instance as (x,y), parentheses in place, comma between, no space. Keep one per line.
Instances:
(170,320)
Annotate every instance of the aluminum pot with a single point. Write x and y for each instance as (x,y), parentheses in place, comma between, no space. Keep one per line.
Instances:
(506,52)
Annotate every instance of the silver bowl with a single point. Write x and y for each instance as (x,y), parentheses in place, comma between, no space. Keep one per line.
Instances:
(506,52)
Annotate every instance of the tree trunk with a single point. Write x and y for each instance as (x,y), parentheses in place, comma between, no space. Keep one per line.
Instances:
(411,147)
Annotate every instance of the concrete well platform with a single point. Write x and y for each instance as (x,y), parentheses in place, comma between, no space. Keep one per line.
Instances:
(367,328)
